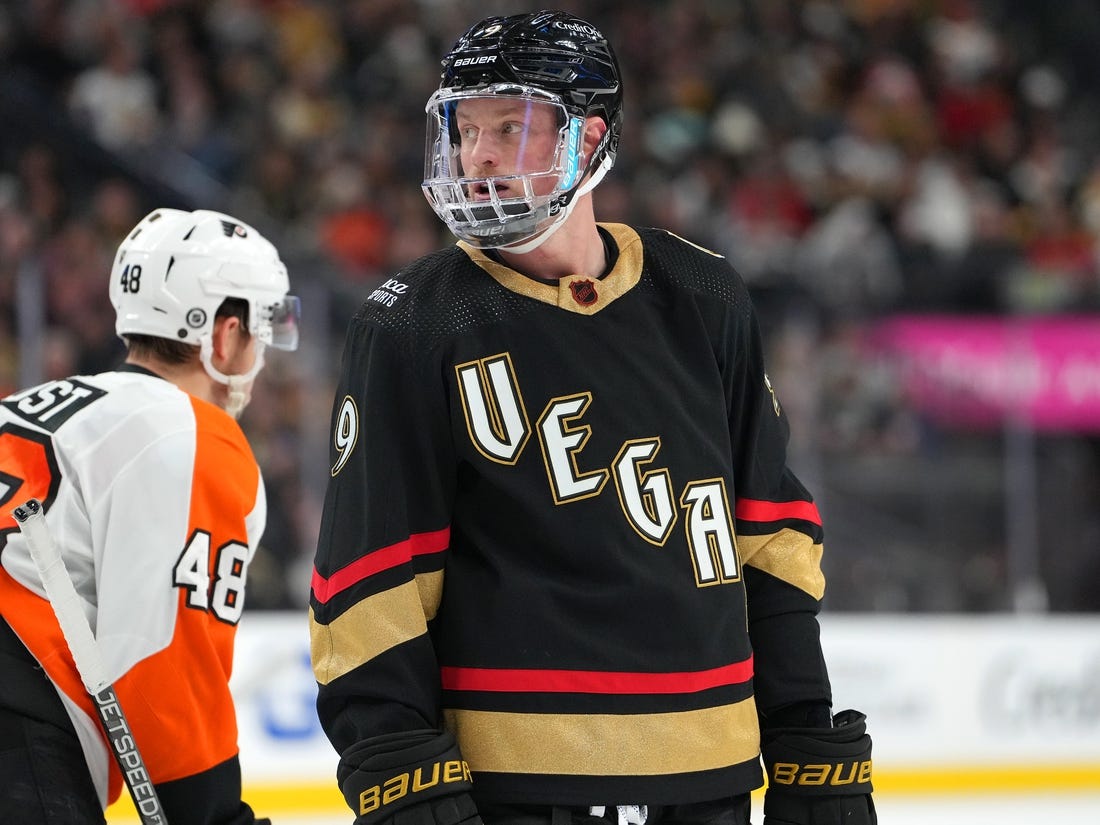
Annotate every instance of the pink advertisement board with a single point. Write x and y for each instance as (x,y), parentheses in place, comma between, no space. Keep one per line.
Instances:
(979,371)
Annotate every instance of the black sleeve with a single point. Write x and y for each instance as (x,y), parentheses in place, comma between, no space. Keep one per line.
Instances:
(212,797)
(779,532)
(789,667)
(378,577)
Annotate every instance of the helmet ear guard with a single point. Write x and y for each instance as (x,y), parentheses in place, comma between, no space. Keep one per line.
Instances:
(547,57)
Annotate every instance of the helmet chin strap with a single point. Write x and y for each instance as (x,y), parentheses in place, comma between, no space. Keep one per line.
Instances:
(240,386)
(530,245)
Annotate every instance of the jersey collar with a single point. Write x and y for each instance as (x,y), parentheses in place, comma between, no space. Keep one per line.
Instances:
(574,293)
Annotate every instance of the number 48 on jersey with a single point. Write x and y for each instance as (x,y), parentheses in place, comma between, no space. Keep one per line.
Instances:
(221,593)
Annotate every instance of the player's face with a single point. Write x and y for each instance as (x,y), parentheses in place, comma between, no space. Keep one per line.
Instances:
(507,136)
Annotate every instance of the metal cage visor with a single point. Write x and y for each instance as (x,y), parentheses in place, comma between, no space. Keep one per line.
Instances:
(534,141)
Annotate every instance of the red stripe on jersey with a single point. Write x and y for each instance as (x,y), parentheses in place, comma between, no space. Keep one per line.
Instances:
(384,558)
(592,681)
(751,510)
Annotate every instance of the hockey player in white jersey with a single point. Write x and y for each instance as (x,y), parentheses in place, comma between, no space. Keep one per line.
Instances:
(156,502)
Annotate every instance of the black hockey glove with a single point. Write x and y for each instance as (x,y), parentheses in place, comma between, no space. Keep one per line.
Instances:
(412,778)
(448,810)
(819,776)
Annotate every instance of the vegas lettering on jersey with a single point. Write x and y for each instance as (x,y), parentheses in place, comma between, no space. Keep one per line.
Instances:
(500,428)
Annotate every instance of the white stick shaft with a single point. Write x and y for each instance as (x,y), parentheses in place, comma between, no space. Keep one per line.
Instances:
(63,596)
(89,663)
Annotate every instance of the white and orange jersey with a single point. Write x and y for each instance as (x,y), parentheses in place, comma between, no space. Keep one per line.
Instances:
(156,503)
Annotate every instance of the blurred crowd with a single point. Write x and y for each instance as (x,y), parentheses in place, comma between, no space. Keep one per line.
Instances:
(853,158)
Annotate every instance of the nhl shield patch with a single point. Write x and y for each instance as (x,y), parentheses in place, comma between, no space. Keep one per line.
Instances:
(584,292)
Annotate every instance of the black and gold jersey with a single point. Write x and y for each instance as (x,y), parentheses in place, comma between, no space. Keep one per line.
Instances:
(561,527)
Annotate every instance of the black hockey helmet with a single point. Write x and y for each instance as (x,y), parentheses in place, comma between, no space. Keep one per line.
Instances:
(540,56)
(549,50)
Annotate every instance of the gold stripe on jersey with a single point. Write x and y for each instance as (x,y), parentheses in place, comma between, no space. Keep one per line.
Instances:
(369,628)
(430,586)
(623,277)
(787,555)
(647,744)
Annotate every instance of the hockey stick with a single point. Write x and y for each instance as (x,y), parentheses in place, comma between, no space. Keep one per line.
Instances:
(89,664)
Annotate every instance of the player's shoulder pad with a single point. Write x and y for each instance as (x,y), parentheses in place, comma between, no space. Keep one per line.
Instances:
(683,264)
(395,293)
(417,294)
(436,297)
(674,238)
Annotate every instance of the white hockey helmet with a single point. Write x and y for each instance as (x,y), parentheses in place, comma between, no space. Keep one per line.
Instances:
(176,268)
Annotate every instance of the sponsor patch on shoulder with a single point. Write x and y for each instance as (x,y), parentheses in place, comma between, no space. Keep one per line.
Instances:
(389,293)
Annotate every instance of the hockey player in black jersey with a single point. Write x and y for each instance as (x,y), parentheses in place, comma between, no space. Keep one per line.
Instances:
(564,573)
